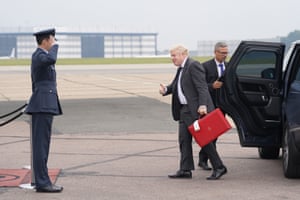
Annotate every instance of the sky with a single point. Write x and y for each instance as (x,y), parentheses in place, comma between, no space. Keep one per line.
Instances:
(176,21)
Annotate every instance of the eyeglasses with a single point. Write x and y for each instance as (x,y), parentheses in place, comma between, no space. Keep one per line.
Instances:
(223,52)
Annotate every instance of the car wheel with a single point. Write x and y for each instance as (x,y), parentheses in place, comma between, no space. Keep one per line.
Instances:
(289,155)
(268,152)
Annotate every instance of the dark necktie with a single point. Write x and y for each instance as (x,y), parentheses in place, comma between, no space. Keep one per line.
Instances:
(179,70)
(178,75)
(221,68)
(181,96)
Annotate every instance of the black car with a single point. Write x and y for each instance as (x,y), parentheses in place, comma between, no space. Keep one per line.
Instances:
(261,93)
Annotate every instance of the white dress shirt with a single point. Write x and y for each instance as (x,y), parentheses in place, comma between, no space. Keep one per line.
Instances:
(181,96)
(219,69)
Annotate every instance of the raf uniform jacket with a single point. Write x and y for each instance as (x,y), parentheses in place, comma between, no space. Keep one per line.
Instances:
(194,87)
(211,70)
(44,97)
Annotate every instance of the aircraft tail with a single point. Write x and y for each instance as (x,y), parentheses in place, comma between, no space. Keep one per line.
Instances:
(13,53)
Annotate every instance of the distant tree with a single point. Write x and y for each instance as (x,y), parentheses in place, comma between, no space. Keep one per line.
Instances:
(291,37)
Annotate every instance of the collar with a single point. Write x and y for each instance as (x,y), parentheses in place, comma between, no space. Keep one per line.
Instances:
(183,63)
(43,49)
(217,63)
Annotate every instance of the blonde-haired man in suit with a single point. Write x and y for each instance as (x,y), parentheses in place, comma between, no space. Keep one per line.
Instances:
(190,100)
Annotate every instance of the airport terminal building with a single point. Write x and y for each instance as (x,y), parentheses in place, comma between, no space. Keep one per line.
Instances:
(81,44)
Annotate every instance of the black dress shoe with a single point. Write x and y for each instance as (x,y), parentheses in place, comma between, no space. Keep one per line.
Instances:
(204,166)
(50,188)
(181,174)
(217,173)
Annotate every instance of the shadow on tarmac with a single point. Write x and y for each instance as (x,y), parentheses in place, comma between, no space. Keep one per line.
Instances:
(108,116)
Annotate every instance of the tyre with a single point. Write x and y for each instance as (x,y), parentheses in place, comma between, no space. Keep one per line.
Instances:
(290,155)
(268,152)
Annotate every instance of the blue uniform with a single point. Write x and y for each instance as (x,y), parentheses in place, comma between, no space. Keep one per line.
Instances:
(43,105)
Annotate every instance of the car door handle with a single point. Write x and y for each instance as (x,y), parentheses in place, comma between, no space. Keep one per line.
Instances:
(265,98)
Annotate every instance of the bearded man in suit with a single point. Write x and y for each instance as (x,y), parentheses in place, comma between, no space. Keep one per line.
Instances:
(214,70)
(190,100)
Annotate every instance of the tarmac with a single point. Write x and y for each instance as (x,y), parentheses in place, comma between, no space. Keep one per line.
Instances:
(123,144)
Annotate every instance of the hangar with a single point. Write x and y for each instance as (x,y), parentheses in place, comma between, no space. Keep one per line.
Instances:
(81,43)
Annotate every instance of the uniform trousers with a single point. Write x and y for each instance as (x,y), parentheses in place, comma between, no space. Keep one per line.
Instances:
(185,144)
(41,136)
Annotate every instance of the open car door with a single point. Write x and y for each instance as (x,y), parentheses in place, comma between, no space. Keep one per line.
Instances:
(251,93)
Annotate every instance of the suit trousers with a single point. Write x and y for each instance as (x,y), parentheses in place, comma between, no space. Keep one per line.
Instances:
(203,157)
(185,143)
(41,136)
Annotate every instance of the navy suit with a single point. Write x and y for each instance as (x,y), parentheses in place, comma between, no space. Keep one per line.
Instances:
(43,104)
(195,90)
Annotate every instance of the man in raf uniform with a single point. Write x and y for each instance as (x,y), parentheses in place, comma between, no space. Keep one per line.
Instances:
(43,105)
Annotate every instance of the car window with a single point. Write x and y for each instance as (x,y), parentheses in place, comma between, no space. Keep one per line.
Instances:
(257,64)
(298,75)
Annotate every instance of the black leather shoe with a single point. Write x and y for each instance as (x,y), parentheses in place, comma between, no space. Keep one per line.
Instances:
(217,173)
(50,188)
(204,166)
(181,174)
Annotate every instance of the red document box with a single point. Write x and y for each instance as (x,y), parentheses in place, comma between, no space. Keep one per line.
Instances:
(211,126)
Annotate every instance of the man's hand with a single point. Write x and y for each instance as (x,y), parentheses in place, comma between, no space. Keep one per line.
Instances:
(162,89)
(217,84)
(202,110)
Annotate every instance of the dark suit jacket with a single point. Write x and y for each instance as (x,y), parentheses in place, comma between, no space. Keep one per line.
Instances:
(211,72)
(44,97)
(194,87)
